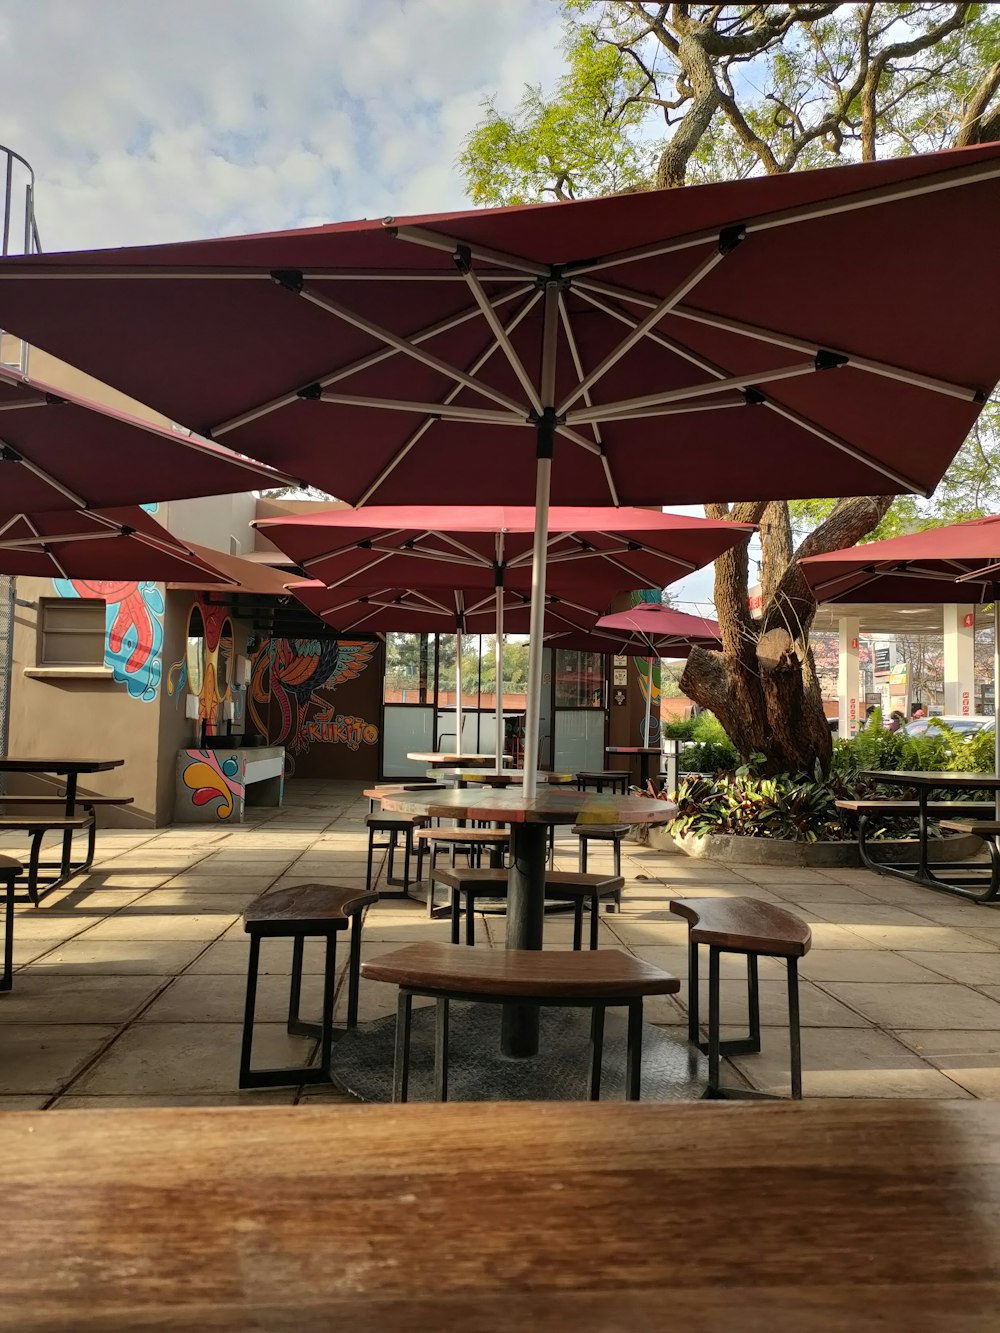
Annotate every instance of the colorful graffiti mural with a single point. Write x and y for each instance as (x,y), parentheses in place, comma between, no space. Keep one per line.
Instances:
(212,777)
(285,701)
(206,669)
(134,630)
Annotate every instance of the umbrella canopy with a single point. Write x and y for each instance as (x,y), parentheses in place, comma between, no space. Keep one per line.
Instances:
(960,562)
(652,319)
(61,451)
(120,543)
(485,546)
(653,630)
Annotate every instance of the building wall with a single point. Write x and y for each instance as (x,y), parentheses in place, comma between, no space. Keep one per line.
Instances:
(107,712)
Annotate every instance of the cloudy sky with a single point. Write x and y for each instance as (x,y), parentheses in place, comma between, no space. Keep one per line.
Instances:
(149,122)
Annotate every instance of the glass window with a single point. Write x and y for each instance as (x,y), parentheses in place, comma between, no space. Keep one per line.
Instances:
(579,679)
(409,668)
(71,632)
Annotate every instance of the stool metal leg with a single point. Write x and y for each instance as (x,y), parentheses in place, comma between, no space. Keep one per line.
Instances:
(597,1037)
(470,918)
(694,1033)
(583,855)
(794,1036)
(633,1058)
(713,1021)
(295,987)
(371,857)
(456,914)
(753,1001)
(595,909)
(7,982)
(617,854)
(248,1012)
(329,991)
(441,1050)
(401,1066)
(577,924)
(354,972)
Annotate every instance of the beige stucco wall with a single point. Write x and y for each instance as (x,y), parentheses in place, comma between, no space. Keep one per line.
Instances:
(80,717)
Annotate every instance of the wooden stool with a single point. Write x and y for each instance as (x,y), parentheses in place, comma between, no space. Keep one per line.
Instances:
(449,972)
(612,833)
(561,886)
(294,913)
(470,842)
(615,779)
(9,872)
(392,824)
(757,930)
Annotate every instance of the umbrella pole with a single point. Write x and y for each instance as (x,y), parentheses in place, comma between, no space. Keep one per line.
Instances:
(458,692)
(649,696)
(498,667)
(996,687)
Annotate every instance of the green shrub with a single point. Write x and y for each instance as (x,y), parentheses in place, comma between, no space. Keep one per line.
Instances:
(712,751)
(754,807)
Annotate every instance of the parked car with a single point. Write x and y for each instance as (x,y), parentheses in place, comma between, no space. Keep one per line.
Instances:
(966,724)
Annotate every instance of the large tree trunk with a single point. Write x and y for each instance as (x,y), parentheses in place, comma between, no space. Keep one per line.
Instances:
(762,686)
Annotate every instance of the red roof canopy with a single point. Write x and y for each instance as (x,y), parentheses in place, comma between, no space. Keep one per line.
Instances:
(958,563)
(743,339)
(592,553)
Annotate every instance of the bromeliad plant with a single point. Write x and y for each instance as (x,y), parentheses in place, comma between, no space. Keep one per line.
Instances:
(760,807)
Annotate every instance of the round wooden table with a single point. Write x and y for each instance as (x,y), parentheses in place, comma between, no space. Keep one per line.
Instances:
(530,819)
(437,759)
(645,752)
(492,777)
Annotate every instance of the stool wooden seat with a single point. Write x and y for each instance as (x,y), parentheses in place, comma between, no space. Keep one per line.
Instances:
(392,824)
(755,929)
(294,913)
(615,779)
(561,886)
(612,833)
(501,976)
(470,842)
(10,869)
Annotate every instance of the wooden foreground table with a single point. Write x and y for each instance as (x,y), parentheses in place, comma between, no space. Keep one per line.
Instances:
(809,1217)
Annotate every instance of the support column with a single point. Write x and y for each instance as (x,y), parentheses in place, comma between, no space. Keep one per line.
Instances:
(959,660)
(852,709)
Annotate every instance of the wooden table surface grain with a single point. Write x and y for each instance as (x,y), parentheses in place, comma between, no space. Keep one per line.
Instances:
(566,1218)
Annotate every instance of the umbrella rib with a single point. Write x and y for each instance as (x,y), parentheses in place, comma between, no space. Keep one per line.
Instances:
(336,583)
(475,556)
(178,553)
(426,425)
(654,335)
(588,400)
(408,348)
(445,411)
(662,307)
(778,339)
(11,455)
(883,194)
(435,240)
(20,406)
(624,409)
(499,333)
(366,362)
(852,451)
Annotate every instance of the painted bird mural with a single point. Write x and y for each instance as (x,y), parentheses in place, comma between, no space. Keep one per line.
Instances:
(290,671)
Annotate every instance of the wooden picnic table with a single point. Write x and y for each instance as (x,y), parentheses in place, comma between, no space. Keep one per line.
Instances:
(924,782)
(70,769)
(824,1215)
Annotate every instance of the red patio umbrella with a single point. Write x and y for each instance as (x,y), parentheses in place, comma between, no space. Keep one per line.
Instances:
(658,631)
(685,346)
(937,565)
(120,543)
(61,451)
(485,552)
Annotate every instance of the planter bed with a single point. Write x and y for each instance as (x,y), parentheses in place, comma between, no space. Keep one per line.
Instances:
(735,850)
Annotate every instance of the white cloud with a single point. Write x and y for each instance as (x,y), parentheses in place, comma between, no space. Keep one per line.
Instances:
(152,122)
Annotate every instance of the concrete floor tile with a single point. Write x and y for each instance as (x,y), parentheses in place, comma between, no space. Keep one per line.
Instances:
(36,924)
(219,998)
(23,1103)
(906,1004)
(133,923)
(816,895)
(187,1058)
(971,1059)
(139,1101)
(918,939)
(971,969)
(870,965)
(845,1062)
(120,957)
(817,1007)
(869,914)
(87,901)
(222,884)
(41,996)
(42,1058)
(229,956)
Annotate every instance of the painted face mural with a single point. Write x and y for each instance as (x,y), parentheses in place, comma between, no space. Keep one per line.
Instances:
(134,630)
(206,669)
(289,673)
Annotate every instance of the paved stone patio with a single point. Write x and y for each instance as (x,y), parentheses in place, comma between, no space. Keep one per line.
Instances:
(129,982)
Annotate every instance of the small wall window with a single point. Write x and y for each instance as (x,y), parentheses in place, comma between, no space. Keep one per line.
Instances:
(71,632)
